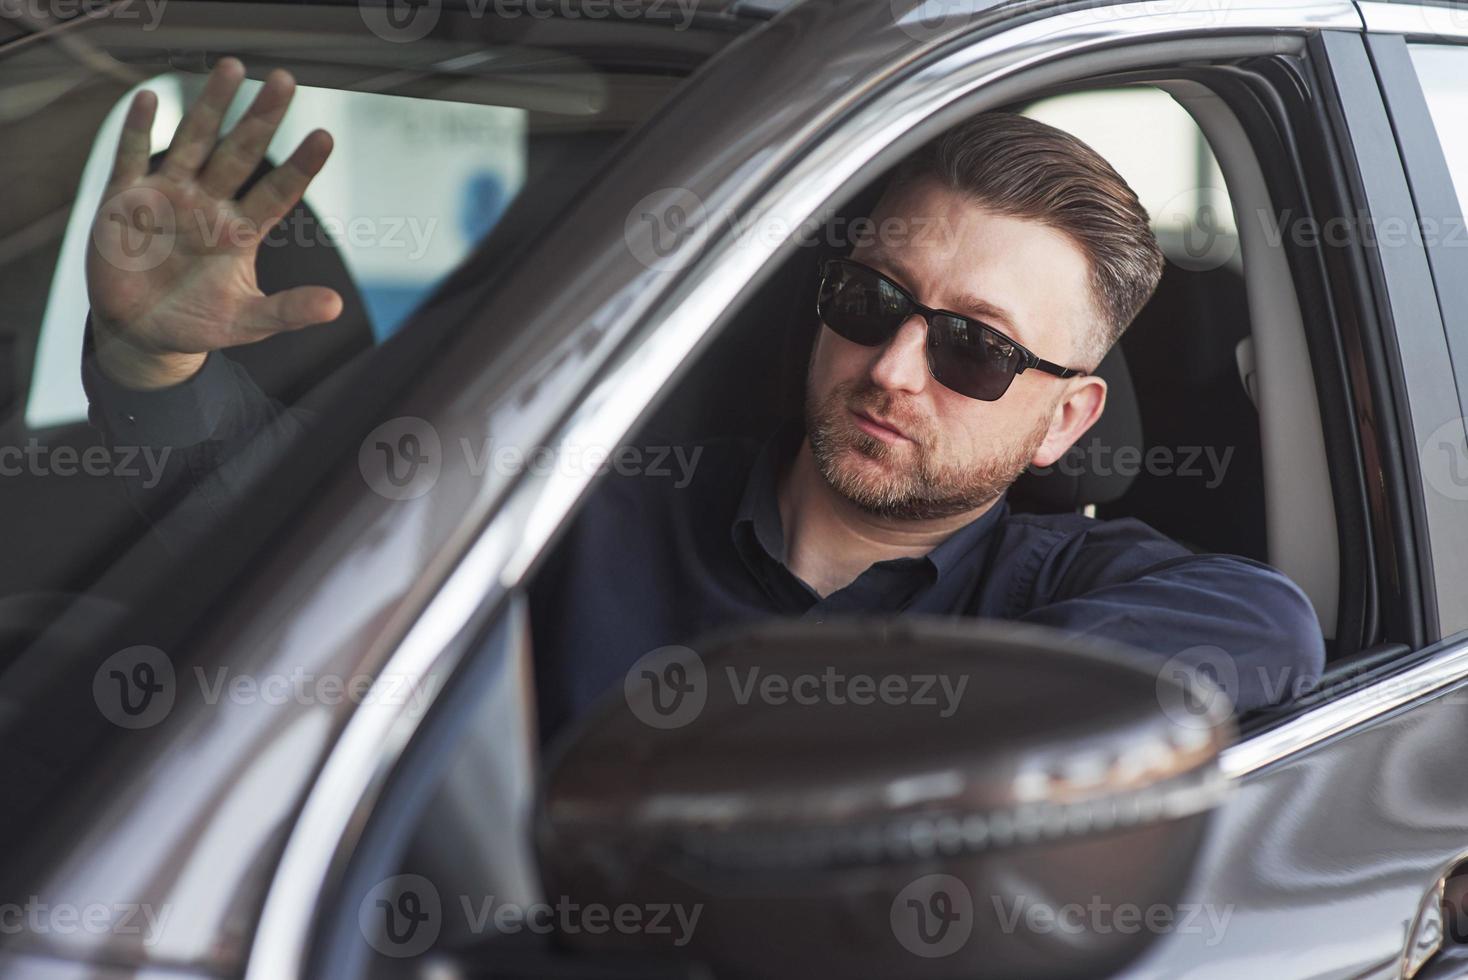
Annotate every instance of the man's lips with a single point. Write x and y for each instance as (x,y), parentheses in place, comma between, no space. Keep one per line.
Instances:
(885,431)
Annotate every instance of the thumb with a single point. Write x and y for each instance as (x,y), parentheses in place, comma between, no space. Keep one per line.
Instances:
(290,309)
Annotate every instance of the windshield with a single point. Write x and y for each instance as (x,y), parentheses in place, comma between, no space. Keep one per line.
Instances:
(456,140)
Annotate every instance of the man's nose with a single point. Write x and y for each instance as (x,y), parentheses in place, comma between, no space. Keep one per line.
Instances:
(902,364)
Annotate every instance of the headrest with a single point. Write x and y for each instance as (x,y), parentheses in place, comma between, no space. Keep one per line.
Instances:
(1101,466)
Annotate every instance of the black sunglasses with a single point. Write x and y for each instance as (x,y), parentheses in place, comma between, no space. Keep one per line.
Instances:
(970,357)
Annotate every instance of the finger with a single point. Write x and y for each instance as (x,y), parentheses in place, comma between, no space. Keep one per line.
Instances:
(200,126)
(136,142)
(278,191)
(240,152)
(290,309)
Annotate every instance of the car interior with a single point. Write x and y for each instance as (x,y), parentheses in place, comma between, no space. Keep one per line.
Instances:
(1217,366)
(1217,360)
(1185,377)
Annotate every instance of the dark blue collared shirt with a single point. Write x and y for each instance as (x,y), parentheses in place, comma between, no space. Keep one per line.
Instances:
(654,561)
(939,582)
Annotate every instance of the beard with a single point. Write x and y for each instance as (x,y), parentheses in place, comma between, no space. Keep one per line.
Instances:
(913,481)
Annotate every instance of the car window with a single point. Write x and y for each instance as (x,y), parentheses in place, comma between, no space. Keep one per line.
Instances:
(1196,402)
(1194,337)
(451,155)
(426,162)
(1441,69)
(1173,171)
(398,232)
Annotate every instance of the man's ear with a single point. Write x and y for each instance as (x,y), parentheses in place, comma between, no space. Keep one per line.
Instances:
(1082,405)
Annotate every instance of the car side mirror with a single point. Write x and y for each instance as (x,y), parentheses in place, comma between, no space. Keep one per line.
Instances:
(913,797)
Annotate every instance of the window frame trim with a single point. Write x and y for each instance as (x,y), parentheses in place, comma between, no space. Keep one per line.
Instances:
(1434,191)
(1409,327)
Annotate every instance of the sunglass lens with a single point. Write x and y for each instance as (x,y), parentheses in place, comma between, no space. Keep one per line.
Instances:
(859,305)
(971,360)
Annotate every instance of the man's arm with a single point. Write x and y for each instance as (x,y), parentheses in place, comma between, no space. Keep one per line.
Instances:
(171,278)
(203,441)
(1235,618)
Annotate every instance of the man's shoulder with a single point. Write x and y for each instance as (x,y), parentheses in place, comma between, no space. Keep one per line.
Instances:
(1080,552)
(1077,532)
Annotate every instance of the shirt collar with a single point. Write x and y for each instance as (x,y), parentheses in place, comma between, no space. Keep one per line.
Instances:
(758,515)
(757,521)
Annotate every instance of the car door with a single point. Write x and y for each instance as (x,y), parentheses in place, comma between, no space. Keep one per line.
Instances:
(1341,826)
(1334,855)
(686,219)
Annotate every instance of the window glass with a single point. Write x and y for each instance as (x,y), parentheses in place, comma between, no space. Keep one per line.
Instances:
(451,155)
(434,145)
(1442,69)
(1173,170)
(411,185)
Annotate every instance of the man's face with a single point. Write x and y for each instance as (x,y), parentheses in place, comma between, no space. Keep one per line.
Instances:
(898,444)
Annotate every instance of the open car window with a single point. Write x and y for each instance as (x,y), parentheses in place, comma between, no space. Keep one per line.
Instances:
(1191,464)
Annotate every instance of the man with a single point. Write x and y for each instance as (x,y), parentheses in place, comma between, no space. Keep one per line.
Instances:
(945,366)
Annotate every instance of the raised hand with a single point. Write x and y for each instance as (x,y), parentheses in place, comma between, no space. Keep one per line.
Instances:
(171,262)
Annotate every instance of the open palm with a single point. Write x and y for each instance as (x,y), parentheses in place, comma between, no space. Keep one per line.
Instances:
(171,262)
